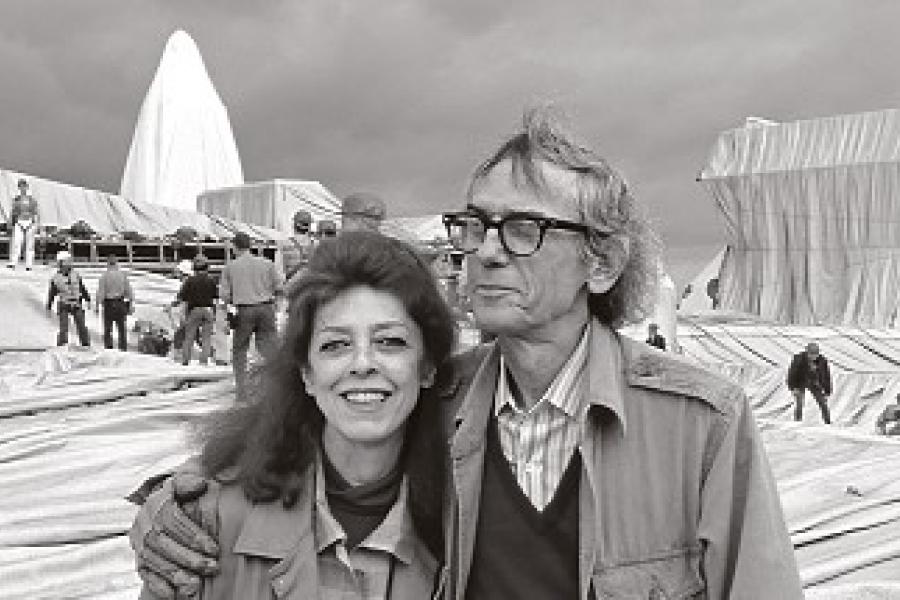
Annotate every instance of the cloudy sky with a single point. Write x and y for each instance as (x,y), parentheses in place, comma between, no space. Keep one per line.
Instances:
(402,97)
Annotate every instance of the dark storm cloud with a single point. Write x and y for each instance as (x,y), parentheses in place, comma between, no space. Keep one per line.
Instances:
(402,98)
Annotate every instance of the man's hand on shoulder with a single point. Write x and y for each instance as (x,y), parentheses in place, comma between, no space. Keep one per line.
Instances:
(172,550)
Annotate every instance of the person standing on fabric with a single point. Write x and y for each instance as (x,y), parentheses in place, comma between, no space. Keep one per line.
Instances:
(250,283)
(809,371)
(293,253)
(655,338)
(888,422)
(362,211)
(115,295)
(24,222)
(582,464)
(67,284)
(198,293)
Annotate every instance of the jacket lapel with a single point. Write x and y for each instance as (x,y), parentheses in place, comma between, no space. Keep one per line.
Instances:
(467,448)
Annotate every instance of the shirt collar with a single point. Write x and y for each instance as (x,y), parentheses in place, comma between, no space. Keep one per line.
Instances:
(563,392)
(395,534)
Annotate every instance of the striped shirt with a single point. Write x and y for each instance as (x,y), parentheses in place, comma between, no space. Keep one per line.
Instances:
(539,443)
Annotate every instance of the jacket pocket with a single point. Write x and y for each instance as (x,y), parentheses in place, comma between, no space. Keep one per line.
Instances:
(674,576)
(293,578)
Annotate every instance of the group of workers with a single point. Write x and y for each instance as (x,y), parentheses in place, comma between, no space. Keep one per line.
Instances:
(247,289)
(114,296)
(251,284)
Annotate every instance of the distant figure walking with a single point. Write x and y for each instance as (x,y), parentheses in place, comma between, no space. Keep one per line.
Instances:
(67,284)
(198,292)
(250,283)
(809,371)
(24,223)
(655,338)
(115,295)
(889,421)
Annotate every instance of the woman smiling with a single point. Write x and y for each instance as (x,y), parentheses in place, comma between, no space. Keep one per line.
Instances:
(331,479)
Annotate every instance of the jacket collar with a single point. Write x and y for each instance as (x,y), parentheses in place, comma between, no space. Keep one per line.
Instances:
(605,365)
(273,531)
(395,534)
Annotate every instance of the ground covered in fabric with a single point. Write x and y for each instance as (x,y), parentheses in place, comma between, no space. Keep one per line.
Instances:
(79,429)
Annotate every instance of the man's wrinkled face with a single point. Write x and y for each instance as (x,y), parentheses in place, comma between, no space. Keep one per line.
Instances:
(518,295)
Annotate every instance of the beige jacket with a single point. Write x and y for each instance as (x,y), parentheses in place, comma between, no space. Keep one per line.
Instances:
(269,551)
(676,496)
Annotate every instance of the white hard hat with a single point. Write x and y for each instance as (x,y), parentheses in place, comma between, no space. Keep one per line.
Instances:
(63,255)
(185,267)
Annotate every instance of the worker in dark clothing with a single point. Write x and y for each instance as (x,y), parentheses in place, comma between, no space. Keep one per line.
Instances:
(115,295)
(888,422)
(809,371)
(250,284)
(198,292)
(67,284)
(655,338)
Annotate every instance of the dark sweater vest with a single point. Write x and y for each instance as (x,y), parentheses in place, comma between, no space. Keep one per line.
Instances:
(520,552)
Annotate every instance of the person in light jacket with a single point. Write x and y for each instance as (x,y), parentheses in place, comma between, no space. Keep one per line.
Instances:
(328,483)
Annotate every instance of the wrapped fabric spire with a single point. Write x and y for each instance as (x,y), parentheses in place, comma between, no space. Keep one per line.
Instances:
(183,143)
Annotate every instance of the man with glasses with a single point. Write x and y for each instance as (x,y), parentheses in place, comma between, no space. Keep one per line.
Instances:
(581,464)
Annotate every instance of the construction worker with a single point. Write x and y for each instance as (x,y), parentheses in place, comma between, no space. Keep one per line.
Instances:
(294,252)
(115,295)
(250,284)
(362,211)
(198,292)
(67,284)
(24,222)
(326,228)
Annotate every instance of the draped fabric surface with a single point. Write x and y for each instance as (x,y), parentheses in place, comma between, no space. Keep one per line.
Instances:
(811,210)
(838,484)
(61,205)
(79,429)
(271,204)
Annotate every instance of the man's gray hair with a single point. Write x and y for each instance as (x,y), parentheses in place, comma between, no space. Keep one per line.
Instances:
(603,200)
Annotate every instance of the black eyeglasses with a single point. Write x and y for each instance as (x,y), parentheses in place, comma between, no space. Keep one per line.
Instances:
(521,234)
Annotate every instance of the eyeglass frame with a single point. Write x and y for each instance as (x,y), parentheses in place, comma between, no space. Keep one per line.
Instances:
(544,223)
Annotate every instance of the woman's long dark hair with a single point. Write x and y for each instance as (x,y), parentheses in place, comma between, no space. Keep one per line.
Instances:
(273,439)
